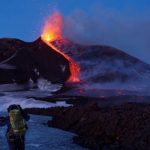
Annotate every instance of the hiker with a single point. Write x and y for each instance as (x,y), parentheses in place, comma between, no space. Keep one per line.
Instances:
(16,127)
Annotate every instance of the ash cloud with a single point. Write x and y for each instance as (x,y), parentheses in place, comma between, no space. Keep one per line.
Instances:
(127,30)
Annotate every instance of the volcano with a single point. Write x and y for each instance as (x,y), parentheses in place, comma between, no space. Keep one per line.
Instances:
(60,60)
(21,62)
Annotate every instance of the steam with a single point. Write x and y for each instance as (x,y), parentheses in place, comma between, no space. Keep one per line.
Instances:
(94,73)
(126,30)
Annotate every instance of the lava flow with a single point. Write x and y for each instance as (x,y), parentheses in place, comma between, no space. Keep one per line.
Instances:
(53,31)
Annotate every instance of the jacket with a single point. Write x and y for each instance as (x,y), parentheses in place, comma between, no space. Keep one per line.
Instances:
(6,121)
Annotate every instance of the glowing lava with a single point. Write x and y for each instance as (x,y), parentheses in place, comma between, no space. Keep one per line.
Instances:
(53,31)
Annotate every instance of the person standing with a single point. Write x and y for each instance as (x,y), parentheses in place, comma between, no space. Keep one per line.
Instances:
(16,127)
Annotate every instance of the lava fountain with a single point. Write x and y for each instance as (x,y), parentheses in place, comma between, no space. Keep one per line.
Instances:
(53,31)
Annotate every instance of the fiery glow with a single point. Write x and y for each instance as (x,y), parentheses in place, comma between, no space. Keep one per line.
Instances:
(53,31)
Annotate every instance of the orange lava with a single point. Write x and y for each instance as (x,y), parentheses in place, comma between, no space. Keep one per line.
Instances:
(53,31)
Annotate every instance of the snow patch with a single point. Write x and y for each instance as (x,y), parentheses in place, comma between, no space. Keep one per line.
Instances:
(63,68)
(5,101)
(45,85)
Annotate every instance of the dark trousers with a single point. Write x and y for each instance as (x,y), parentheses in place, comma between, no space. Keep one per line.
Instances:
(17,143)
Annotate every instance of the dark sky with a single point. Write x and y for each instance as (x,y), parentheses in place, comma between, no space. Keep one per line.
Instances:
(124,24)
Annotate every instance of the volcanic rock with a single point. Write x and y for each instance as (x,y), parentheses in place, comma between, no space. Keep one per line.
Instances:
(123,127)
(21,61)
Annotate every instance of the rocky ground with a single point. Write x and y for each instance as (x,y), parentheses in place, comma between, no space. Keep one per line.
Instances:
(122,127)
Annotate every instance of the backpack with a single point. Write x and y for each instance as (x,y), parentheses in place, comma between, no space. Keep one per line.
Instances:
(17,121)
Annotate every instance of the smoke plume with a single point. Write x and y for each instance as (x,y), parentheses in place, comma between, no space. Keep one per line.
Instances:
(126,30)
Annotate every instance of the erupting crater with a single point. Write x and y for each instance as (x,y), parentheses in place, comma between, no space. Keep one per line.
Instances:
(52,31)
